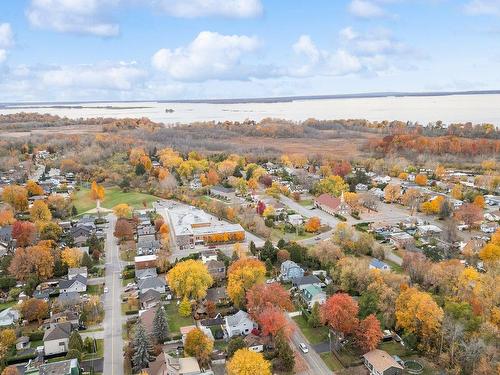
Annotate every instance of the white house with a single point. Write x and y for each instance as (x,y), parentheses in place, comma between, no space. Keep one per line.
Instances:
(239,324)
(56,338)
(295,219)
(73,272)
(489,227)
(145,273)
(77,284)
(290,270)
(376,264)
(207,256)
(8,317)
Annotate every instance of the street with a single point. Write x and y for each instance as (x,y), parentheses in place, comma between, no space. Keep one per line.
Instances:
(312,359)
(113,341)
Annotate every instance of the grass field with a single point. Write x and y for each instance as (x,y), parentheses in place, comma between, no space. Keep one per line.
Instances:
(314,335)
(6,305)
(113,196)
(332,362)
(175,321)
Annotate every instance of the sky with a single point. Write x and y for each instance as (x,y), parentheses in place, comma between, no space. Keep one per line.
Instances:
(85,50)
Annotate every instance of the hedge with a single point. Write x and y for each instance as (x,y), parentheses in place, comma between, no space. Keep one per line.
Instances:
(36,335)
(131,312)
(340,217)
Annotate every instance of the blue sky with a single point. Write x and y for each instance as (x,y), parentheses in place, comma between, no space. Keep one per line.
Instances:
(67,50)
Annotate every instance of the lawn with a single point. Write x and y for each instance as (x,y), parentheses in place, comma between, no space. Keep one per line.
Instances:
(332,362)
(99,353)
(6,305)
(278,233)
(126,281)
(394,348)
(113,196)
(394,266)
(306,202)
(313,335)
(175,321)
(95,289)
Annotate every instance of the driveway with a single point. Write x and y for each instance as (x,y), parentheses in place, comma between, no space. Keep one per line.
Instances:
(307,212)
(113,342)
(312,359)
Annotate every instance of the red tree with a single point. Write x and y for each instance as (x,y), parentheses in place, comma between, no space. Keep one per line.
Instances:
(262,296)
(368,334)
(123,229)
(340,312)
(341,168)
(469,214)
(266,180)
(261,206)
(273,320)
(24,232)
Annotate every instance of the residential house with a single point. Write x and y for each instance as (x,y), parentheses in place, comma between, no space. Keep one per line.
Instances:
(149,299)
(303,281)
(217,295)
(312,294)
(151,283)
(401,240)
(56,338)
(332,205)
(489,227)
(145,261)
(66,316)
(69,299)
(428,230)
(22,343)
(66,367)
(76,284)
(377,192)
(239,324)
(290,270)
(6,237)
(492,216)
(376,264)
(74,272)
(166,364)
(147,245)
(186,329)
(9,317)
(145,273)
(361,187)
(379,362)
(295,219)
(147,316)
(208,255)
(255,343)
(217,269)
(473,246)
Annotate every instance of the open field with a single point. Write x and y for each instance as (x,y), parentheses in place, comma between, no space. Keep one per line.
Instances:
(314,335)
(113,196)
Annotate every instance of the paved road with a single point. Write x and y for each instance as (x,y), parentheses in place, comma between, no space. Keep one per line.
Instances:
(113,342)
(312,359)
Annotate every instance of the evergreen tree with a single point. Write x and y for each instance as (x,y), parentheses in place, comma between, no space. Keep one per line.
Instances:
(269,265)
(368,303)
(86,261)
(73,353)
(285,360)
(75,342)
(140,170)
(74,211)
(252,248)
(281,243)
(142,348)
(160,326)
(314,318)
(268,252)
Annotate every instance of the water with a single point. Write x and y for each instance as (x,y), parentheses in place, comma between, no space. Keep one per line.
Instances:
(476,108)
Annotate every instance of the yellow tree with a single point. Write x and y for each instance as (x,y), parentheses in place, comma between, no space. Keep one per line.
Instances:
(242,275)
(419,314)
(199,345)
(269,211)
(96,192)
(71,256)
(439,172)
(135,155)
(189,279)
(334,185)
(16,196)
(352,199)
(456,191)
(122,210)
(403,176)
(421,179)
(479,201)
(247,362)
(169,158)
(39,211)
(6,217)
(313,224)
(33,188)
(392,193)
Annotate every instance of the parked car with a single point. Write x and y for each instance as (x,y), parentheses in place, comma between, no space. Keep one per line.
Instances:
(303,347)
(105,289)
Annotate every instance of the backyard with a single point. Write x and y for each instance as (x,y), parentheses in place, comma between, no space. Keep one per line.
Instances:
(175,321)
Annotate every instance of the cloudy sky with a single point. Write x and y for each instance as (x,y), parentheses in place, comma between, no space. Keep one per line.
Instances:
(63,50)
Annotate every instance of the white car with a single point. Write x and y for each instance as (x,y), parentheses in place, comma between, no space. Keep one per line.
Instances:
(105,289)
(303,347)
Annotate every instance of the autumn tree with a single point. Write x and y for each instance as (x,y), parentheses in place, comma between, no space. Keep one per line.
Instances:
(10,370)
(6,217)
(272,319)
(479,201)
(417,313)
(392,193)
(23,232)
(421,179)
(189,279)
(96,192)
(313,224)
(122,210)
(368,334)
(40,212)
(198,345)
(262,296)
(34,309)
(333,185)
(123,229)
(72,257)
(469,214)
(340,313)
(16,196)
(50,231)
(456,191)
(327,252)
(247,362)
(33,188)
(242,276)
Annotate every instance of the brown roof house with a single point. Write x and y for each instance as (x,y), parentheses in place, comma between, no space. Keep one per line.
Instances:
(217,269)
(332,205)
(379,362)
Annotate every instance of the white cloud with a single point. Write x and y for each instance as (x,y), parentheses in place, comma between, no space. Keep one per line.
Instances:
(74,16)
(348,33)
(121,76)
(366,9)
(3,55)
(483,7)
(209,56)
(205,8)
(6,35)
(306,47)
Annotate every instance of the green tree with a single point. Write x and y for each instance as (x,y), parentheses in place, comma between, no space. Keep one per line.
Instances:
(89,345)
(86,261)
(285,360)
(142,347)
(268,252)
(235,344)
(75,341)
(160,326)
(368,304)
(315,317)
(73,353)
(252,248)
